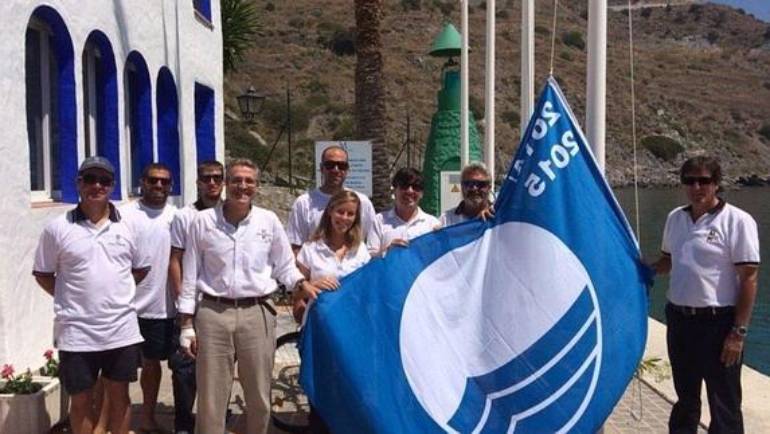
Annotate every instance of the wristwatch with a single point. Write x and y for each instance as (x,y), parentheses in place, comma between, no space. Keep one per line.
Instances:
(740,330)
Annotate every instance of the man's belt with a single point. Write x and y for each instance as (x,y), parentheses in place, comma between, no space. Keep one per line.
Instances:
(702,311)
(242,302)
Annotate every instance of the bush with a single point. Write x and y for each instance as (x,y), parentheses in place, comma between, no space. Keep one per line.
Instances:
(764,131)
(573,39)
(345,130)
(411,5)
(317,101)
(512,117)
(712,37)
(343,43)
(296,22)
(542,30)
(269,7)
(646,12)
(662,147)
(566,55)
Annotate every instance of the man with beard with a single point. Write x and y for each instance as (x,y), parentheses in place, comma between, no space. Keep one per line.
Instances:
(307,209)
(151,217)
(475,186)
(211,175)
(87,260)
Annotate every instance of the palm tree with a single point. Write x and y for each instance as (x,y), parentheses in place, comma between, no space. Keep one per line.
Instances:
(370,95)
(240,24)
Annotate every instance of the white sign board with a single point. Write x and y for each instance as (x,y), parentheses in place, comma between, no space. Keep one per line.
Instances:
(360,160)
(451,193)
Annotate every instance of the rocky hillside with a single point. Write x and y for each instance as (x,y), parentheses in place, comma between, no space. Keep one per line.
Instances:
(702,80)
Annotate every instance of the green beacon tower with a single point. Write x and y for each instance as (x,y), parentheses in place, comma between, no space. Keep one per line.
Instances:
(442,151)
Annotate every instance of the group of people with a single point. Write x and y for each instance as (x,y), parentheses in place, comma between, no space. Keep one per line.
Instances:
(145,282)
(149,282)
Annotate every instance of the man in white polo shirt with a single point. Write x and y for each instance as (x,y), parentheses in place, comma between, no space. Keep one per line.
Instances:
(88,260)
(406,220)
(151,217)
(711,249)
(232,253)
(475,185)
(308,207)
(211,175)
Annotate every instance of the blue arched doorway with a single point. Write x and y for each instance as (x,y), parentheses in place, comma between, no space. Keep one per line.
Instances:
(138,117)
(167,104)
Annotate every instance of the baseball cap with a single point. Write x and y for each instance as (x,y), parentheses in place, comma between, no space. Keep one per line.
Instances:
(96,162)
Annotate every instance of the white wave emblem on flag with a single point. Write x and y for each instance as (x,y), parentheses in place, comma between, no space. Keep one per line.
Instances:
(496,332)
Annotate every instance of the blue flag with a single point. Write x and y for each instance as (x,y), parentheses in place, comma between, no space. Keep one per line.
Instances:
(531,322)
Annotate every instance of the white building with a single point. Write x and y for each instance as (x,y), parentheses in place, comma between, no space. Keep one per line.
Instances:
(135,81)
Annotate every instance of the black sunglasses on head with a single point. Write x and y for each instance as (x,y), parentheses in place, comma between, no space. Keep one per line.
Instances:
(701,180)
(339,165)
(152,180)
(479,185)
(91,179)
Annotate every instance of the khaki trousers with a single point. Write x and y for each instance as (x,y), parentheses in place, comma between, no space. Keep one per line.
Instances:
(226,333)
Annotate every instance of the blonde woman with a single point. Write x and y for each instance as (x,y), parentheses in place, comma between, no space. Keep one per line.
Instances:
(334,250)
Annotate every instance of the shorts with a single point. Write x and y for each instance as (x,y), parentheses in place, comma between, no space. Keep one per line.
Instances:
(79,370)
(158,337)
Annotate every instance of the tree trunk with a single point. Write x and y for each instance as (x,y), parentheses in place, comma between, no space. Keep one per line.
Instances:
(370,95)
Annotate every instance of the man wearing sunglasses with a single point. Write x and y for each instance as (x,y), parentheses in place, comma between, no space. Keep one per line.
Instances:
(210,182)
(307,208)
(406,220)
(88,260)
(151,218)
(475,185)
(711,249)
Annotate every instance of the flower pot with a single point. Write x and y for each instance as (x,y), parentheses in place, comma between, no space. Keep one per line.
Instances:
(33,413)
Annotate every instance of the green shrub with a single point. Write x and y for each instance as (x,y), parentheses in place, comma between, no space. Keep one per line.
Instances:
(274,114)
(662,147)
(764,131)
(345,129)
(566,55)
(542,30)
(573,39)
(317,101)
(411,5)
(296,22)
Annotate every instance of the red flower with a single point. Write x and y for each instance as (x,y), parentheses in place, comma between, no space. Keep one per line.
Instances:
(7,372)
(48,355)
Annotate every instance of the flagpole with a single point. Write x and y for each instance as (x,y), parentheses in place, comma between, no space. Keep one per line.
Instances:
(489,109)
(464,148)
(596,79)
(527,62)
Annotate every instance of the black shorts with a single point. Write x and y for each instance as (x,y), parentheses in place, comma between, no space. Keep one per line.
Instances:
(78,370)
(158,337)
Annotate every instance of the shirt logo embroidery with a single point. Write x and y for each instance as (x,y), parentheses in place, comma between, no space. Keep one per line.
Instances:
(264,235)
(712,237)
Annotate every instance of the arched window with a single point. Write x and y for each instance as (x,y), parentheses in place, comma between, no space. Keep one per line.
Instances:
(167,104)
(50,106)
(100,102)
(205,138)
(138,117)
(203,7)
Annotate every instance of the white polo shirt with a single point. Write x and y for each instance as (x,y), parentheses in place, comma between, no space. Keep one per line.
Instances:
(94,289)
(323,262)
(308,208)
(223,260)
(153,228)
(388,226)
(180,226)
(704,254)
(452,216)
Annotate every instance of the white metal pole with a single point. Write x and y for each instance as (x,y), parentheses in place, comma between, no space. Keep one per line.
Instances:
(597,78)
(489,88)
(527,62)
(464,148)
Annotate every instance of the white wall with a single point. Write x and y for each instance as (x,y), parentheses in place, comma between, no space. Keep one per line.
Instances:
(166,33)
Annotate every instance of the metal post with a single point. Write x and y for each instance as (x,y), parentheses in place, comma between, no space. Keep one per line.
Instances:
(527,62)
(464,146)
(597,78)
(288,130)
(489,87)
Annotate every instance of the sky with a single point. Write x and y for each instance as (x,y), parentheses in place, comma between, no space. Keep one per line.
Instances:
(759,8)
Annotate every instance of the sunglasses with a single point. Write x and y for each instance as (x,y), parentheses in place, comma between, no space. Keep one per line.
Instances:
(701,180)
(90,179)
(477,185)
(206,179)
(152,180)
(339,165)
(416,186)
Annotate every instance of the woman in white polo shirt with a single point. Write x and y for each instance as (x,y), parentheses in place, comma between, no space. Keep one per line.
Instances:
(335,249)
